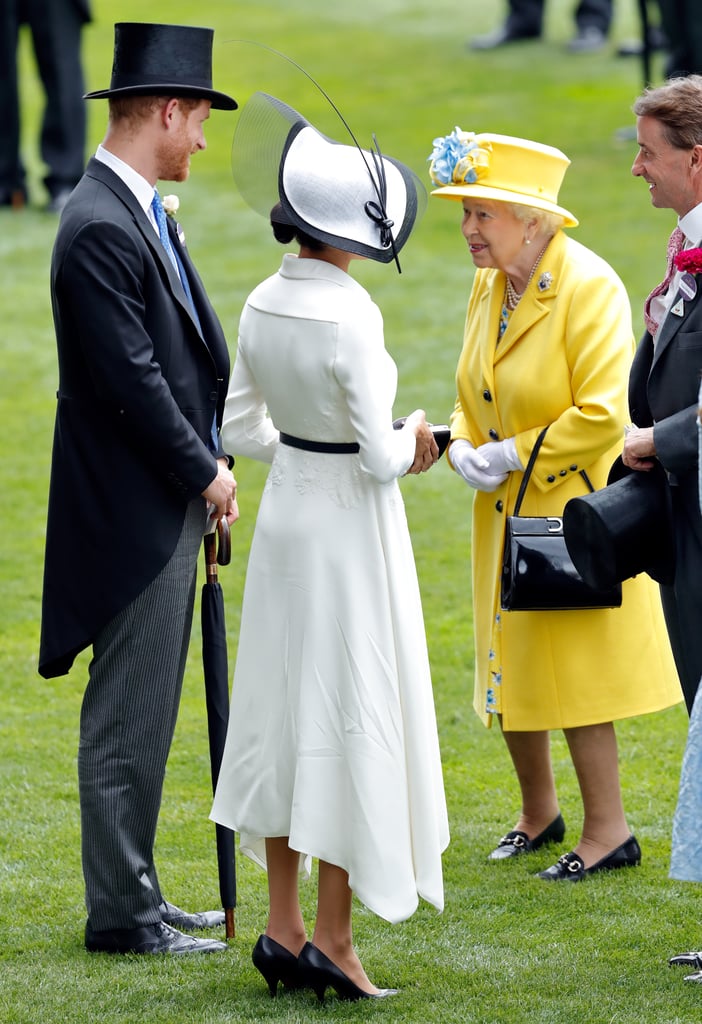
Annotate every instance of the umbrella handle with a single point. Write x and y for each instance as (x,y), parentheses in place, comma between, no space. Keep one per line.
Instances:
(224,546)
(218,549)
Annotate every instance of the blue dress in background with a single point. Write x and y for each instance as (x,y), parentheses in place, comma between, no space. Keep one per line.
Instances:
(686,856)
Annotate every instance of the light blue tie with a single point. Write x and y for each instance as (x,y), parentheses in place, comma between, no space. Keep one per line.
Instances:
(162,225)
(160,215)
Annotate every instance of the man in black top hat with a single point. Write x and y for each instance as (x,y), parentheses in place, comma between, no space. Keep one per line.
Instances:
(137,463)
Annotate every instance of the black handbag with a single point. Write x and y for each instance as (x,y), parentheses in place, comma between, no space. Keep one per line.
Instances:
(537,572)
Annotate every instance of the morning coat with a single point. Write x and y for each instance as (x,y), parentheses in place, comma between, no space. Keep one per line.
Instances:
(139,385)
(663,392)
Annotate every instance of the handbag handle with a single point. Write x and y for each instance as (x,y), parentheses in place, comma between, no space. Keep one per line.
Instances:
(529,467)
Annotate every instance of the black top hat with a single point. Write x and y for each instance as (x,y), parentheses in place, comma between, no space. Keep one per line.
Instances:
(623,529)
(152,60)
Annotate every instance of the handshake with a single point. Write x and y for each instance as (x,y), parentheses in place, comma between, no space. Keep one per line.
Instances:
(486,467)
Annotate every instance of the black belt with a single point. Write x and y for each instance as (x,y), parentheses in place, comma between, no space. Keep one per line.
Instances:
(333,447)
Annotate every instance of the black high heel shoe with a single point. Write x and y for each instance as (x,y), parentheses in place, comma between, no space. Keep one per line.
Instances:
(319,973)
(276,963)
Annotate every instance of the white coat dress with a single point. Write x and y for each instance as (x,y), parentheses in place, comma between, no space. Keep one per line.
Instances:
(332,738)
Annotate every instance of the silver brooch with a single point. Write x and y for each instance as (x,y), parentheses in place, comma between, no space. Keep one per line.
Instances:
(545,281)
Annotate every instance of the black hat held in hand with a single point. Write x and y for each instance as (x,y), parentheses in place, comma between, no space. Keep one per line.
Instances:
(623,529)
(172,60)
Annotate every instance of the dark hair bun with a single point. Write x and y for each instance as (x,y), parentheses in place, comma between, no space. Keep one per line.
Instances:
(283,230)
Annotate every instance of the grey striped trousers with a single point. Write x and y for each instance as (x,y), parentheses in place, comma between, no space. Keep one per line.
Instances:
(127,722)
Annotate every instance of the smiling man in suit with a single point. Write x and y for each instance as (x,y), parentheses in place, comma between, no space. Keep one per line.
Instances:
(137,463)
(665,375)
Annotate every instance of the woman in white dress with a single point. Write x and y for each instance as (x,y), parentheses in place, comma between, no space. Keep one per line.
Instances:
(332,750)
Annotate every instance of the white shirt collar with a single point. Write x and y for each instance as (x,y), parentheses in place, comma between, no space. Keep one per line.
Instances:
(691,225)
(142,189)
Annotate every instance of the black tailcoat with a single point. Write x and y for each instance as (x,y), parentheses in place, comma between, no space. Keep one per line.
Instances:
(139,385)
(663,392)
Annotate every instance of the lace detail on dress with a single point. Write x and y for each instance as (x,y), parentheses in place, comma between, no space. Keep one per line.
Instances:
(340,477)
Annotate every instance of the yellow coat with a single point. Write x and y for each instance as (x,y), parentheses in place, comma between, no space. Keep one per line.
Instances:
(564,361)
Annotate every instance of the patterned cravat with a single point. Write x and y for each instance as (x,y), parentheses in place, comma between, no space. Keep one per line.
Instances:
(160,215)
(675,243)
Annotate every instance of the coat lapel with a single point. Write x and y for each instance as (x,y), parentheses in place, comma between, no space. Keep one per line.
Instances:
(113,181)
(671,325)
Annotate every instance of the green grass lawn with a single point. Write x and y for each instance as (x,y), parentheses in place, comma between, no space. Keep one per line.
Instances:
(507,947)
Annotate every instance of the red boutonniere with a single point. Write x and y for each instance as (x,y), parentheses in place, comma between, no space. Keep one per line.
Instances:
(689,260)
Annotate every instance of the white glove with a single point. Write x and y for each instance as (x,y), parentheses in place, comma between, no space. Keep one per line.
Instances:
(501,456)
(474,469)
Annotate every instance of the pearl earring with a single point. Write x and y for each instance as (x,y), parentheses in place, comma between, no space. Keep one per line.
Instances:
(527,241)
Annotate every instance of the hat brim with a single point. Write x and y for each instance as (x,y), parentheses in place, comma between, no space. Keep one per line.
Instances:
(501,195)
(323,186)
(219,100)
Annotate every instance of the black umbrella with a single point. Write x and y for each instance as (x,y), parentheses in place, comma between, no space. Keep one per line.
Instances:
(216,670)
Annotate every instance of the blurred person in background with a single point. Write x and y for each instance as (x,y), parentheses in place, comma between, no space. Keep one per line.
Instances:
(548,342)
(593,19)
(681,21)
(56,27)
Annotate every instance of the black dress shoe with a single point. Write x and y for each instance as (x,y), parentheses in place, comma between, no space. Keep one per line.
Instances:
(687,960)
(588,40)
(151,938)
(318,972)
(570,868)
(276,963)
(501,36)
(178,918)
(517,842)
(15,197)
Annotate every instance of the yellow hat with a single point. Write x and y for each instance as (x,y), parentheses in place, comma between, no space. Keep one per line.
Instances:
(501,168)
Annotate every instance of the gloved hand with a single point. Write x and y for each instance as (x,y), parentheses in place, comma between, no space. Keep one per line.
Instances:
(471,465)
(501,456)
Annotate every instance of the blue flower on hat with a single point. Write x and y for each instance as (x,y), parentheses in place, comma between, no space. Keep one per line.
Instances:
(458,159)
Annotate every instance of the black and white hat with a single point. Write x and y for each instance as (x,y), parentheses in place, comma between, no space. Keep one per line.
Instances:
(350,198)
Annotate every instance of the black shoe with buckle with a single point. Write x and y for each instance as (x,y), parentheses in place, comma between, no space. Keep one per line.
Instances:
(517,842)
(693,959)
(570,868)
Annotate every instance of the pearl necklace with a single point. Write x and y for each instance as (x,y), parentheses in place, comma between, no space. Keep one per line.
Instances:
(512,296)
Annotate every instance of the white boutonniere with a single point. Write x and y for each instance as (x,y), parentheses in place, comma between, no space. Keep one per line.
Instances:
(171,204)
